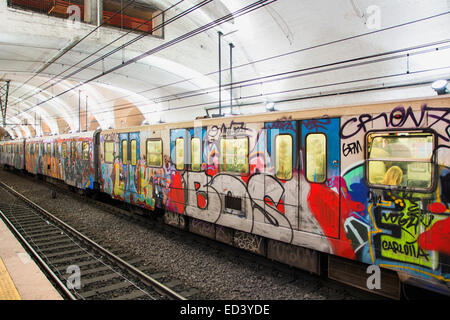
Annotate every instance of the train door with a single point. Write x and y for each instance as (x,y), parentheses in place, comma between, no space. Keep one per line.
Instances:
(280,194)
(196,181)
(180,156)
(321,148)
(129,149)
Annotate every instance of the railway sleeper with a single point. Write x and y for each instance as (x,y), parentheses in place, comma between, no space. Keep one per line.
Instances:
(105,289)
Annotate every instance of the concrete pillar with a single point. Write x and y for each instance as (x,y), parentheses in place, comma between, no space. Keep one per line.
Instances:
(93,11)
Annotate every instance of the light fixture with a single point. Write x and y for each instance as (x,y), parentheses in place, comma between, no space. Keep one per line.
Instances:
(440,86)
(270,106)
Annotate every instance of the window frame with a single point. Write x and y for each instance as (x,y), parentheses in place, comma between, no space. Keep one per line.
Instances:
(184,154)
(247,156)
(135,152)
(113,151)
(292,155)
(64,150)
(124,160)
(82,150)
(432,160)
(55,149)
(146,152)
(326,157)
(192,154)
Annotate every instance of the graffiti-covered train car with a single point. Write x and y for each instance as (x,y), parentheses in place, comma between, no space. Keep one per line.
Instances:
(68,157)
(33,163)
(77,159)
(364,183)
(12,153)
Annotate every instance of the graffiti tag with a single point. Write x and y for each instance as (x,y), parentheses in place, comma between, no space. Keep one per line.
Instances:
(396,118)
(351,148)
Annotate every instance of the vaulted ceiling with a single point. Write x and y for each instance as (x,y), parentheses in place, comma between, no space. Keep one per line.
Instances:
(293,53)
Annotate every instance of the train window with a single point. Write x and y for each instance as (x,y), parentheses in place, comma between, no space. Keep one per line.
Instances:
(124,151)
(316,157)
(283,156)
(55,149)
(400,159)
(133,152)
(74,152)
(85,153)
(196,154)
(234,155)
(179,153)
(64,150)
(154,153)
(49,149)
(109,151)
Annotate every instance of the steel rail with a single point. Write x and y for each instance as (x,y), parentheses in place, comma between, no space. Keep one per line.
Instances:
(37,258)
(159,287)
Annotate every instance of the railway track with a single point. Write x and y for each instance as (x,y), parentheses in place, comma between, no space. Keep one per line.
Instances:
(79,267)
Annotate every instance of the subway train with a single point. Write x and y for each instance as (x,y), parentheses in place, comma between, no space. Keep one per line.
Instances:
(328,190)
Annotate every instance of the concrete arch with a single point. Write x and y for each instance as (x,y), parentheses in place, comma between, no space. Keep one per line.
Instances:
(126,114)
(58,106)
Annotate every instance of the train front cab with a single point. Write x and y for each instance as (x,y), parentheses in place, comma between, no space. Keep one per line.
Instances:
(396,164)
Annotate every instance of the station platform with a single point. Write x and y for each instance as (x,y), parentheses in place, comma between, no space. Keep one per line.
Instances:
(20,277)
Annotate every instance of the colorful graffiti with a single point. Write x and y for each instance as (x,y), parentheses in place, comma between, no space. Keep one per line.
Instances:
(405,229)
(398,228)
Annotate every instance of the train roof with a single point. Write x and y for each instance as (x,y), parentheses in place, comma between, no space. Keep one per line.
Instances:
(311,113)
(62,136)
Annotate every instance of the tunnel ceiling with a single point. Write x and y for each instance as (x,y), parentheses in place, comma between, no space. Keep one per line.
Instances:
(66,76)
